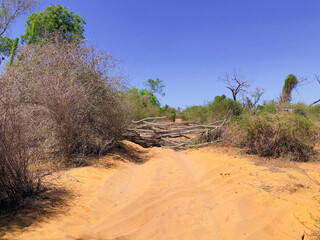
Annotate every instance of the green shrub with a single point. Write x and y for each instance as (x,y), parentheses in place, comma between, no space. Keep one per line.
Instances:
(169,112)
(140,106)
(196,114)
(270,107)
(278,135)
(314,111)
(151,97)
(222,107)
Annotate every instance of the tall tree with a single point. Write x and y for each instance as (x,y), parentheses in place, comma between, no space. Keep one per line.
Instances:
(155,86)
(41,27)
(9,11)
(289,84)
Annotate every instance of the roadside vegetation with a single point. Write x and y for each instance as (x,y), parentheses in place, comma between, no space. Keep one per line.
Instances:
(270,129)
(62,99)
(59,98)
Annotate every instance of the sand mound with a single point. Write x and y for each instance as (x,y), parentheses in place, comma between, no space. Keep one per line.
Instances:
(194,194)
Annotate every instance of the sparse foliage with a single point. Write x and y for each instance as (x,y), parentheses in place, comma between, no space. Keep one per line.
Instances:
(155,86)
(11,9)
(315,102)
(5,45)
(76,95)
(17,181)
(255,96)
(235,83)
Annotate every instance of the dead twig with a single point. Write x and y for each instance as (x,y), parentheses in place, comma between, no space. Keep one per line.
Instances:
(147,132)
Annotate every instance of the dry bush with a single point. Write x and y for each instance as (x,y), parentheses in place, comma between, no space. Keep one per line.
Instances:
(17,182)
(75,94)
(277,135)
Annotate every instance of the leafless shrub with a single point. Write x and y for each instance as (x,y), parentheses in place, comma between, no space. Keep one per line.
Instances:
(252,100)
(317,101)
(75,94)
(17,182)
(235,83)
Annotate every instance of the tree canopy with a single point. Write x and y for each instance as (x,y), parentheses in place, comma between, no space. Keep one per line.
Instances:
(155,86)
(41,26)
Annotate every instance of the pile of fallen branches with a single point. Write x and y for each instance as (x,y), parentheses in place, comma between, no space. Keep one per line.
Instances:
(151,132)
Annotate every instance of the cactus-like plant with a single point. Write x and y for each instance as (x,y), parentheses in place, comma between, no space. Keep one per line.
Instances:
(33,33)
(289,84)
(13,50)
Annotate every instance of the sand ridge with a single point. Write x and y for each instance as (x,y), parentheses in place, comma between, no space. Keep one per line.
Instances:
(194,194)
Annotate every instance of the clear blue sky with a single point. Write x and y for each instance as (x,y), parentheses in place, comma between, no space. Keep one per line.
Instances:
(190,43)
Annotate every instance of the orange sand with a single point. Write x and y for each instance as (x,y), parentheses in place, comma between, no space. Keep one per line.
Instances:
(195,194)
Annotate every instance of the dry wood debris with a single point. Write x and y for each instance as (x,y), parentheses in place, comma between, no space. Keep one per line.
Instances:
(150,132)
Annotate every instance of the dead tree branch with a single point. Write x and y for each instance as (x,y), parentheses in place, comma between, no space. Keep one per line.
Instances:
(171,135)
(235,83)
(318,80)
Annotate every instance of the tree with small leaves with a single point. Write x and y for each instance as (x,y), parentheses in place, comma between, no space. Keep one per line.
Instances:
(42,27)
(5,46)
(155,86)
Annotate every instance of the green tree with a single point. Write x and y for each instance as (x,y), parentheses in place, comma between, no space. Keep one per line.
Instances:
(222,107)
(289,84)
(150,97)
(41,27)
(155,86)
(5,46)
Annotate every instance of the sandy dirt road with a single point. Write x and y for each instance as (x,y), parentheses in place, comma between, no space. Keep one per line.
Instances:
(195,194)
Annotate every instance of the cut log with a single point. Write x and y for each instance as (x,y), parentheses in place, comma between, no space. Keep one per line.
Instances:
(148,132)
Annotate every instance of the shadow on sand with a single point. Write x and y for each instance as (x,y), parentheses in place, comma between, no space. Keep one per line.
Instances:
(47,205)
(128,153)
(57,200)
